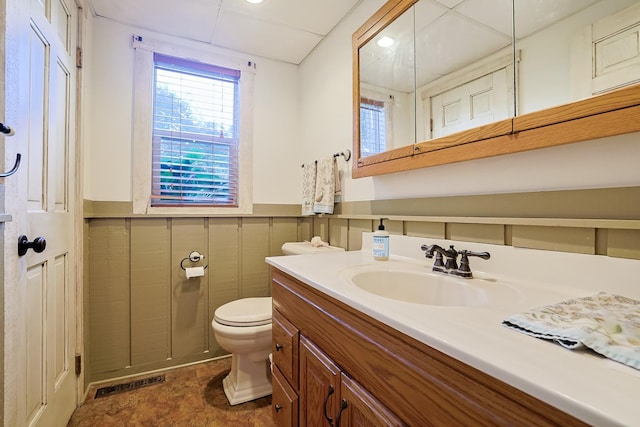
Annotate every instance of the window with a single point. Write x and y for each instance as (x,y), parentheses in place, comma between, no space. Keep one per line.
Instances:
(372,127)
(195,148)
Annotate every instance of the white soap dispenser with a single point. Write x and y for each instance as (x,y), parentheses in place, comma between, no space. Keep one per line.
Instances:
(381,243)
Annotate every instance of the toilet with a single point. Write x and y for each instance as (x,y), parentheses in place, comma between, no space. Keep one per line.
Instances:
(243,328)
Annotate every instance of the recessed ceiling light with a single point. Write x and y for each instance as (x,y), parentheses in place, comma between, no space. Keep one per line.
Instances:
(255,1)
(385,41)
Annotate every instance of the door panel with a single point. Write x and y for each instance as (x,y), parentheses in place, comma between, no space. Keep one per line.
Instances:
(60,338)
(35,341)
(473,103)
(37,137)
(60,131)
(40,100)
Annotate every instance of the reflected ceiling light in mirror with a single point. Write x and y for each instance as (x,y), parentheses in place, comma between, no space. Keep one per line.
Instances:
(254,1)
(385,41)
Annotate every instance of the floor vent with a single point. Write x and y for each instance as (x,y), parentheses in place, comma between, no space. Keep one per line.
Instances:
(119,388)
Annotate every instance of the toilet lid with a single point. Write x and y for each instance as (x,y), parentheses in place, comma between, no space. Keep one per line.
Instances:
(302,248)
(245,312)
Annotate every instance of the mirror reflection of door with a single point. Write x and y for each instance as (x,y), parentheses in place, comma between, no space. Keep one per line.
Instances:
(575,49)
(431,77)
(464,60)
(605,54)
(483,100)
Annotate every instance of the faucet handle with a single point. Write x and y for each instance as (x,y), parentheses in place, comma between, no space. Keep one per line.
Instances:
(465,269)
(483,255)
(427,249)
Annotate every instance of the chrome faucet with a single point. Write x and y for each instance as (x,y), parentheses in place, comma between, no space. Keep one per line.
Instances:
(450,264)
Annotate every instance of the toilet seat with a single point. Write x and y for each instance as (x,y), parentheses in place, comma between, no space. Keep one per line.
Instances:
(245,312)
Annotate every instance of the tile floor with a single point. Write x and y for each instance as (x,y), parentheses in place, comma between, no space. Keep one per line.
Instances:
(189,396)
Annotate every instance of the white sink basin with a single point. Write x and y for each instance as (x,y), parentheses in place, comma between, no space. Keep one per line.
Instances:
(413,283)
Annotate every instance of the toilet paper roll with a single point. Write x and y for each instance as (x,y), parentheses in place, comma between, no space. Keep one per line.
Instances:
(194,272)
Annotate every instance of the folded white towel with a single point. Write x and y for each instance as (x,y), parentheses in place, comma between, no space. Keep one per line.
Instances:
(325,186)
(606,323)
(308,188)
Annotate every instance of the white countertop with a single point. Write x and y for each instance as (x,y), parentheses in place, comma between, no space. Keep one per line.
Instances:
(592,388)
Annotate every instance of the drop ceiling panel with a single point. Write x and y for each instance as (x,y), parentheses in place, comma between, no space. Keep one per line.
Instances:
(464,44)
(533,15)
(449,3)
(191,19)
(246,34)
(314,16)
(286,30)
(496,14)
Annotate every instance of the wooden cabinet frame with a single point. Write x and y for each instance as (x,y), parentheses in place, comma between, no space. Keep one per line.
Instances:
(609,114)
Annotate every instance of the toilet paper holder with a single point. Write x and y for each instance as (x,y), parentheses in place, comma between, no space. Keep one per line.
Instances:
(194,257)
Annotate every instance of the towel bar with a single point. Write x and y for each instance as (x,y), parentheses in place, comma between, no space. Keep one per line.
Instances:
(346,154)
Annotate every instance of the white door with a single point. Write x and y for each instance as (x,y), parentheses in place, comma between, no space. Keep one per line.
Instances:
(474,103)
(606,54)
(40,90)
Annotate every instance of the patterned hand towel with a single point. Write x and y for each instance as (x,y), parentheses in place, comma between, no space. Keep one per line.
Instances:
(308,188)
(337,193)
(606,323)
(325,186)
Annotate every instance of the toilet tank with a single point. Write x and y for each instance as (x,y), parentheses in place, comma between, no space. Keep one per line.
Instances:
(301,248)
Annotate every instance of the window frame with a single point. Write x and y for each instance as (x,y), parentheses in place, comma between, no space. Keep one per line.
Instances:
(185,134)
(380,110)
(143,91)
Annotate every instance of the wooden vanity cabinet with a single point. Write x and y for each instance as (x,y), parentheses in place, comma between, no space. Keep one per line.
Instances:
(383,376)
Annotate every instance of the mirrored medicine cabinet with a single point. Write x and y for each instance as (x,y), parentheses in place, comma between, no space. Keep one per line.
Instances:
(442,81)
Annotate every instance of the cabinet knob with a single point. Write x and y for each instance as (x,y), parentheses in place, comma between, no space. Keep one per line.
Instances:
(278,347)
(277,407)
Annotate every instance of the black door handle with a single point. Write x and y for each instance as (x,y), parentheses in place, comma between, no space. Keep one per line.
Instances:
(24,244)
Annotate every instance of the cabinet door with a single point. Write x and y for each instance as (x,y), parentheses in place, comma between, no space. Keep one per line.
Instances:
(284,401)
(360,409)
(319,386)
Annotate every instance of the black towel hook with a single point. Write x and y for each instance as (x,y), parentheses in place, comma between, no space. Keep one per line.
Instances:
(7,130)
(14,169)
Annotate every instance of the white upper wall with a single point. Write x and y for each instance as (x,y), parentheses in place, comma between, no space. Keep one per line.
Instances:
(326,90)
(304,113)
(108,117)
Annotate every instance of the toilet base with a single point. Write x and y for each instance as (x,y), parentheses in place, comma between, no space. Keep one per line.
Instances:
(248,379)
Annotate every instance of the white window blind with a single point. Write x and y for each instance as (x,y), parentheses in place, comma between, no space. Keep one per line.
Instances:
(195,145)
(372,127)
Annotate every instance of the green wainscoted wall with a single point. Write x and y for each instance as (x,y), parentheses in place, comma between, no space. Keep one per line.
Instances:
(141,313)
